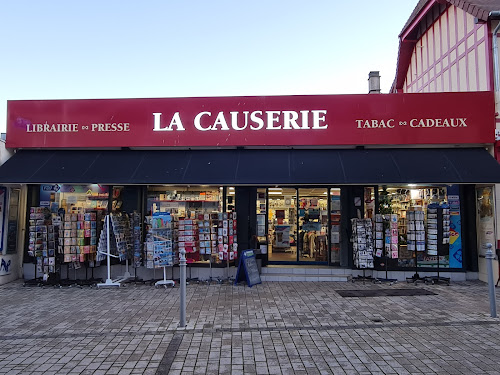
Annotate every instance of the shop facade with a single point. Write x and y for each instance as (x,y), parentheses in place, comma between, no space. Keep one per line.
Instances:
(285,175)
(448,46)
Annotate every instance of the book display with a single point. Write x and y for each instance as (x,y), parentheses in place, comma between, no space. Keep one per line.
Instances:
(185,203)
(43,237)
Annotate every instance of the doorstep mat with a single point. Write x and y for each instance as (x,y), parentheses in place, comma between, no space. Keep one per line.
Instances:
(385,292)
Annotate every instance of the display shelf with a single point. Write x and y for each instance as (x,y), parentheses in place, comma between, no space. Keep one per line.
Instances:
(183,200)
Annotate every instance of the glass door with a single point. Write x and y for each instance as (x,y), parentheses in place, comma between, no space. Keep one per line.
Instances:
(313,225)
(282,224)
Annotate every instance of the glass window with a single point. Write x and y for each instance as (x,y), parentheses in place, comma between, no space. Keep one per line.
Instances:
(12,221)
(200,226)
(421,221)
(335,216)
(261,211)
(230,199)
(185,201)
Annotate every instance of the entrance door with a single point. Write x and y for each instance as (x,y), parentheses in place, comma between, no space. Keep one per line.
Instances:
(313,225)
(282,218)
(298,222)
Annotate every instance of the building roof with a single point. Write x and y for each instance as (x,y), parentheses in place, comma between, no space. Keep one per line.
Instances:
(407,38)
(478,8)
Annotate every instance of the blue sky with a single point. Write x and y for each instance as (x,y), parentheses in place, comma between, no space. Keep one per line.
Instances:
(130,49)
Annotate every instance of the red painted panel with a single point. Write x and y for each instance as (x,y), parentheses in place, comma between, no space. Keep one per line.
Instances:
(454,118)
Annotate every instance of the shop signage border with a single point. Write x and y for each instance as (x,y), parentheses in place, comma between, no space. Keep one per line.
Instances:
(316,120)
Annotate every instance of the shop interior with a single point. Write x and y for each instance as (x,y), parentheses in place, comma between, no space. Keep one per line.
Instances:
(298,224)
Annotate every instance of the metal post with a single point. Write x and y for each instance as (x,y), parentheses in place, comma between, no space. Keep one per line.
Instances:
(182,267)
(108,249)
(491,283)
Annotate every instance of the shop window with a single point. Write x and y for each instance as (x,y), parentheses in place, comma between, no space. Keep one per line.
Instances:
(12,222)
(369,200)
(65,226)
(418,219)
(230,199)
(335,216)
(200,225)
(261,225)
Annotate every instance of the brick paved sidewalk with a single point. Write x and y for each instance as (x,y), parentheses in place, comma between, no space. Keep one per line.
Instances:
(272,328)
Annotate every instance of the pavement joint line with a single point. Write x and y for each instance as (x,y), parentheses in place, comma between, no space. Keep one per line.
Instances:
(169,356)
(183,331)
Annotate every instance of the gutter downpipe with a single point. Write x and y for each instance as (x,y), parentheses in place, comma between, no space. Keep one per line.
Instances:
(495,15)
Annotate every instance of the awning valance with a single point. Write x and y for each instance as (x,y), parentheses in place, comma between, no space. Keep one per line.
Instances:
(253,166)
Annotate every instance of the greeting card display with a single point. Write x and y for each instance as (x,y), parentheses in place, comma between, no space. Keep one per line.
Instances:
(362,243)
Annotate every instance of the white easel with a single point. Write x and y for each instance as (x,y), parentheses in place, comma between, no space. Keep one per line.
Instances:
(108,282)
(165,281)
(126,275)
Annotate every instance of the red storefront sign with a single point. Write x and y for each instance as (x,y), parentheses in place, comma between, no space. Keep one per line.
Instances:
(392,119)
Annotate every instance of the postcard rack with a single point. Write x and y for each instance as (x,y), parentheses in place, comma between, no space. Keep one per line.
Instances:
(416,240)
(159,245)
(438,238)
(362,245)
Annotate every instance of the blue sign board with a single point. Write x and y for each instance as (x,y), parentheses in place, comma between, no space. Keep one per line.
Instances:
(248,264)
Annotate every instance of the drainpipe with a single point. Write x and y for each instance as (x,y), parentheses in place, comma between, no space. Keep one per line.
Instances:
(495,15)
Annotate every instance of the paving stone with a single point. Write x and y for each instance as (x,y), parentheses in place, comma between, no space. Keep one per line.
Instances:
(271,328)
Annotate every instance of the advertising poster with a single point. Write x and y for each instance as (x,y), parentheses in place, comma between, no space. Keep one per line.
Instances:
(3,194)
(486,223)
(455,259)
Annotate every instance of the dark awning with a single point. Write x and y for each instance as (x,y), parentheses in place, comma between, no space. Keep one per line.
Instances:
(253,167)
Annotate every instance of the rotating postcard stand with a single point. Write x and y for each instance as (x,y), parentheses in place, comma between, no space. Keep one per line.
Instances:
(109,282)
(362,245)
(163,254)
(438,238)
(416,240)
(384,243)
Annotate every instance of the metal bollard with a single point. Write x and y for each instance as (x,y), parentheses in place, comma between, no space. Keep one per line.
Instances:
(182,276)
(491,283)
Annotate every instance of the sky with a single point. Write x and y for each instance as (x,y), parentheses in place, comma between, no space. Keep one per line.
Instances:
(139,49)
